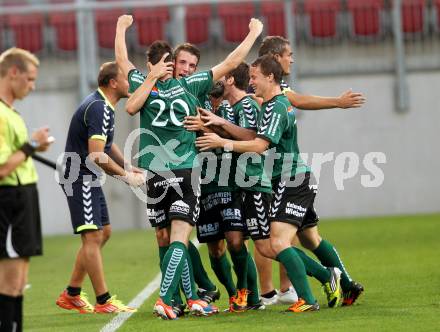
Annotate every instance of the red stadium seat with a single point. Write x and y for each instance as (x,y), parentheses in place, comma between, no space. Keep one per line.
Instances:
(27,30)
(2,28)
(64,24)
(323,16)
(106,26)
(365,17)
(197,23)
(437,16)
(150,24)
(273,11)
(235,19)
(65,30)
(413,16)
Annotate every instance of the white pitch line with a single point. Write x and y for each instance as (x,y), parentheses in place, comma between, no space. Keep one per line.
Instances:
(120,319)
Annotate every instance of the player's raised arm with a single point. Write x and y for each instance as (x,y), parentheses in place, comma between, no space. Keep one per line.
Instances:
(239,54)
(138,98)
(226,128)
(348,99)
(121,55)
(211,141)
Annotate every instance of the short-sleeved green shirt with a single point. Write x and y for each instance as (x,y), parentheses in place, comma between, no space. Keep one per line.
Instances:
(246,114)
(278,126)
(13,134)
(164,143)
(224,177)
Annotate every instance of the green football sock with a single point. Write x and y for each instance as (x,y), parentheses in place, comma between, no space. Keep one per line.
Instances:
(222,269)
(313,268)
(328,256)
(252,281)
(296,273)
(200,275)
(176,297)
(239,258)
(172,266)
(188,282)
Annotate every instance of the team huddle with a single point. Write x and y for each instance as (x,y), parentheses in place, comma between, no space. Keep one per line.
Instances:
(218,151)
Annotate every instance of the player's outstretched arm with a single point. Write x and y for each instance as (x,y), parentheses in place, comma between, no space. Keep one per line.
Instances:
(138,98)
(223,126)
(239,54)
(110,166)
(211,141)
(348,99)
(121,54)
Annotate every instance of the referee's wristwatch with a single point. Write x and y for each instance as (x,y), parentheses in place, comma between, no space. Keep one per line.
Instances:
(34,143)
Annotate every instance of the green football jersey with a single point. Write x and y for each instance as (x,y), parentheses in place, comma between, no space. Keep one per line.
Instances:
(224,162)
(205,102)
(246,114)
(278,126)
(164,143)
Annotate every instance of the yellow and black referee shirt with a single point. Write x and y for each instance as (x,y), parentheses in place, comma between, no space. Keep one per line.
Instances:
(13,134)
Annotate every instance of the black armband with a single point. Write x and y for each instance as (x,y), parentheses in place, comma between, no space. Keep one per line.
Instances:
(27,149)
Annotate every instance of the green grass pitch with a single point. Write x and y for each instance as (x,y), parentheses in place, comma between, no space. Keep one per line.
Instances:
(395,258)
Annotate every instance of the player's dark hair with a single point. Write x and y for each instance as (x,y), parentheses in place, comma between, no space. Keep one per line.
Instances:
(217,90)
(273,45)
(107,72)
(188,47)
(157,50)
(269,65)
(241,76)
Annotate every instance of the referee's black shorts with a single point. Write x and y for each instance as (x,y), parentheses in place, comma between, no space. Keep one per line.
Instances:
(20,225)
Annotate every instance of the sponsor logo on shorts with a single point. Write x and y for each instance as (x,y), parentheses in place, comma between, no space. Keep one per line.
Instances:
(209,229)
(252,223)
(156,215)
(295,210)
(179,207)
(215,199)
(168,182)
(231,214)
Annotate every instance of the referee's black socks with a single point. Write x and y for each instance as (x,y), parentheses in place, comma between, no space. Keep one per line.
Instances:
(11,308)
(18,315)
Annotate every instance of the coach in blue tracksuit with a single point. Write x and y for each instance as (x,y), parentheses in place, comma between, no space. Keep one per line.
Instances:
(89,151)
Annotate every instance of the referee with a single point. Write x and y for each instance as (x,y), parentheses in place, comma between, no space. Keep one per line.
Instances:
(20,229)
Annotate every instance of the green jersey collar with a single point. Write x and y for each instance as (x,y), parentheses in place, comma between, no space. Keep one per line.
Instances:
(273,98)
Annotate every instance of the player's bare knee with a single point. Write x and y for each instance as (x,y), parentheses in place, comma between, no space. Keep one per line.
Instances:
(92,238)
(162,237)
(278,244)
(234,243)
(12,287)
(265,249)
(107,232)
(216,249)
(309,239)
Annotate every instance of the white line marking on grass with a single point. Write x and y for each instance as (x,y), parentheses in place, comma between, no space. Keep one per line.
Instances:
(120,319)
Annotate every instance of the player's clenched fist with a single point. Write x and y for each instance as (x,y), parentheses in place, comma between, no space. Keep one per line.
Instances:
(255,26)
(124,21)
(133,179)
